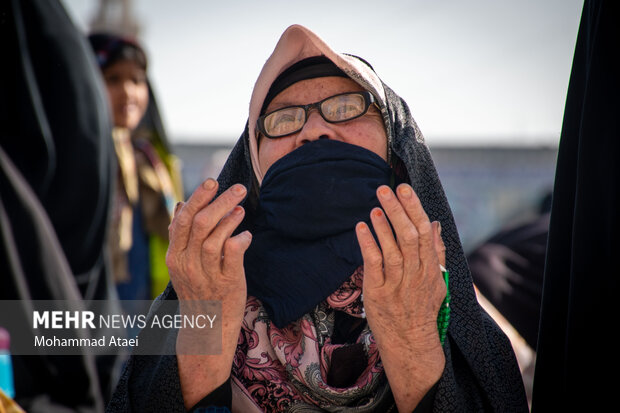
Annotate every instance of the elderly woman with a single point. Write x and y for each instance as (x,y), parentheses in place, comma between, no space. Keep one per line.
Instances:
(322,240)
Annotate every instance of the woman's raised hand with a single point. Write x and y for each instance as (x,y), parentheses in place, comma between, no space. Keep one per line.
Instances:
(403,291)
(206,263)
(204,259)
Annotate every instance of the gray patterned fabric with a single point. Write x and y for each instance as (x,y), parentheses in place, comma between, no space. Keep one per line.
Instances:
(481,372)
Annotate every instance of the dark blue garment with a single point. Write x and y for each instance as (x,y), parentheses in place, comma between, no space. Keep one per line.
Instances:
(304,244)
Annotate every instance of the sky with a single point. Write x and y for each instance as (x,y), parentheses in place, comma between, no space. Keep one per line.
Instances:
(472,72)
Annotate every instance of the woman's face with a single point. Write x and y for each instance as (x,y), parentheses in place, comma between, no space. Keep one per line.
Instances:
(367,131)
(127,91)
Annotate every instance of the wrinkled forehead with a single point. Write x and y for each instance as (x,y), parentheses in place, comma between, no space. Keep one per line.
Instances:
(296,44)
(306,69)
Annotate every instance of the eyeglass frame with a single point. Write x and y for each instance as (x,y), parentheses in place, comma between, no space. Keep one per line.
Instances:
(369,100)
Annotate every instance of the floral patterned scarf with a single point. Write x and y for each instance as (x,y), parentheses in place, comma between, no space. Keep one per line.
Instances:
(295,368)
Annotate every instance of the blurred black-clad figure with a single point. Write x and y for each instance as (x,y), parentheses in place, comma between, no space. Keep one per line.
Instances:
(508,270)
(56,162)
(576,362)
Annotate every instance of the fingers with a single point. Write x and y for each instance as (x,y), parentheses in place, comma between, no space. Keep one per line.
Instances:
(206,219)
(406,232)
(212,247)
(440,248)
(393,260)
(413,207)
(372,256)
(234,248)
(413,241)
(177,208)
(184,215)
(200,217)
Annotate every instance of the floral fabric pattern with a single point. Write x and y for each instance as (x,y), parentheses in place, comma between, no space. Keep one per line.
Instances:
(286,369)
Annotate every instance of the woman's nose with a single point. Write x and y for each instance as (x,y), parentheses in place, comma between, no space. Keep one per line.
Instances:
(128,88)
(315,128)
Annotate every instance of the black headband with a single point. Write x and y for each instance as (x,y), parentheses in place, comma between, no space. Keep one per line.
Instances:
(310,68)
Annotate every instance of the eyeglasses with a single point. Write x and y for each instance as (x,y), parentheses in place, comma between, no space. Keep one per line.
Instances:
(334,109)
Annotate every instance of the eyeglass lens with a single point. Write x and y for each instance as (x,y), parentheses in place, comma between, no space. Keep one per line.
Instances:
(337,108)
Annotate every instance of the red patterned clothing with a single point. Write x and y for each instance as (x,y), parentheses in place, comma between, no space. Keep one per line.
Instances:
(290,368)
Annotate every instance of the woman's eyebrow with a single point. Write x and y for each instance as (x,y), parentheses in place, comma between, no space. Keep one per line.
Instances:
(281,106)
(285,104)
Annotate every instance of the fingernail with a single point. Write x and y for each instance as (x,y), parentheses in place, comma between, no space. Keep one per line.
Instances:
(362,227)
(405,191)
(209,184)
(238,190)
(385,192)
(247,235)
(377,212)
(177,207)
(237,210)
(439,227)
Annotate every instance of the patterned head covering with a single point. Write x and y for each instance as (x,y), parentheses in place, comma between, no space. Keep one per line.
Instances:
(110,48)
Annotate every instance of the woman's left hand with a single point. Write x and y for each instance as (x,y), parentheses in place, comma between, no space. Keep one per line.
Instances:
(403,291)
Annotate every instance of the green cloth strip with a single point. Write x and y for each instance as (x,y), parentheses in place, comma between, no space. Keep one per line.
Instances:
(443,319)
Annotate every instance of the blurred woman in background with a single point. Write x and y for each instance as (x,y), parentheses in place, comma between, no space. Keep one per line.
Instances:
(148,178)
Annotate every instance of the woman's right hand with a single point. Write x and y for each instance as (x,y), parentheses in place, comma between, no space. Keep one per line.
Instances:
(204,259)
(206,263)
